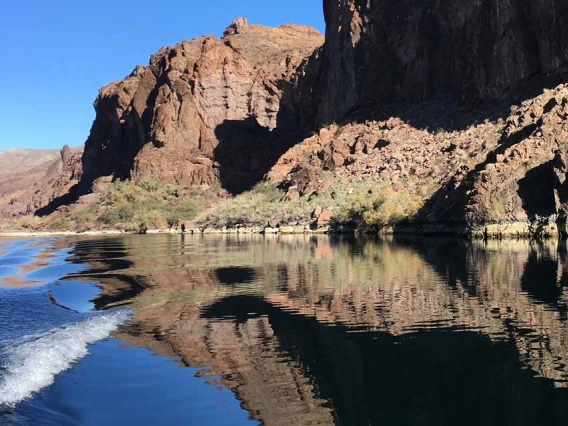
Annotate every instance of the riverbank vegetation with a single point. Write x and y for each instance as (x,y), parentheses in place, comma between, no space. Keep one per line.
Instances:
(363,203)
(136,207)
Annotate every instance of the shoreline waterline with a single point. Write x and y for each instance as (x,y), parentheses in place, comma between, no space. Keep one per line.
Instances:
(513,230)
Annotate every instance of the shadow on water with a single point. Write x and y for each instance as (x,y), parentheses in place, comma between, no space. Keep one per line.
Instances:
(233,276)
(439,377)
(542,275)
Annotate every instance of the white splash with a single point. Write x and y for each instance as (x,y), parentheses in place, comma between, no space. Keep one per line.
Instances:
(32,365)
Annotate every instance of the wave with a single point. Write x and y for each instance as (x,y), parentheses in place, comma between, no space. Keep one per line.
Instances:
(32,365)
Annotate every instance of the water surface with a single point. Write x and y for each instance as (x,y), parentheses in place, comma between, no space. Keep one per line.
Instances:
(282,331)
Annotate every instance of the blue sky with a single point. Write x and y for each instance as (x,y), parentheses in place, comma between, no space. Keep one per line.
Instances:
(56,54)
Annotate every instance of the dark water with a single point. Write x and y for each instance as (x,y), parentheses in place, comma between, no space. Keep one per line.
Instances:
(282,331)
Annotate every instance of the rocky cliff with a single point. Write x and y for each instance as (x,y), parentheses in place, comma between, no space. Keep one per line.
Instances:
(381,51)
(461,105)
(202,110)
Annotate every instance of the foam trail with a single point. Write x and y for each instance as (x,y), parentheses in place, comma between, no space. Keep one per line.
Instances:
(32,365)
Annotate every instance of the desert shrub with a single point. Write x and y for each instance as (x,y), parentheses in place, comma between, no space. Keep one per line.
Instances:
(371,203)
(173,190)
(254,208)
(379,205)
(73,219)
(367,203)
(149,185)
(186,210)
(134,215)
(134,207)
(29,221)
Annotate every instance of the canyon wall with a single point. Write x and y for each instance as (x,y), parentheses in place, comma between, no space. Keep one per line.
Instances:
(465,96)
(418,94)
(202,110)
(381,51)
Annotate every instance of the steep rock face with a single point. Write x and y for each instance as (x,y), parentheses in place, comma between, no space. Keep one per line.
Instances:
(201,110)
(414,63)
(379,51)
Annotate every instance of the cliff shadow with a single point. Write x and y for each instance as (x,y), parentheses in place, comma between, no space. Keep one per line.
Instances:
(115,141)
(113,157)
(106,259)
(247,151)
(449,204)
(436,69)
(536,190)
(450,111)
(71,197)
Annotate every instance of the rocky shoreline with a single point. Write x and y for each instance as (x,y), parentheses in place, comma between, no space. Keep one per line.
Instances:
(503,231)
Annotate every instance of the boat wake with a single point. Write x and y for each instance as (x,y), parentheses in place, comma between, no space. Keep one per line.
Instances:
(32,364)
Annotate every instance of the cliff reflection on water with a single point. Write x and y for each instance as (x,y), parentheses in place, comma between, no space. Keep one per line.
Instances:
(310,330)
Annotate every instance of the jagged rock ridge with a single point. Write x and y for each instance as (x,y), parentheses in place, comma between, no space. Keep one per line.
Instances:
(202,110)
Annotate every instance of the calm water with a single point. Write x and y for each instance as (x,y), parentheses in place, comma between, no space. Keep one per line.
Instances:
(233,330)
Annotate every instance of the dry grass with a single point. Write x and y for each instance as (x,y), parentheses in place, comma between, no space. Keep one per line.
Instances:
(133,207)
(255,208)
(363,203)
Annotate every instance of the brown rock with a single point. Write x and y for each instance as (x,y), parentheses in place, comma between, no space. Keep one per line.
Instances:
(325,136)
(34,179)
(377,52)
(325,217)
(203,110)
(337,159)
(186,225)
(317,212)
(160,223)
(292,194)
(276,221)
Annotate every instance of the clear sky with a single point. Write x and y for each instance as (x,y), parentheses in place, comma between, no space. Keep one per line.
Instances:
(55,54)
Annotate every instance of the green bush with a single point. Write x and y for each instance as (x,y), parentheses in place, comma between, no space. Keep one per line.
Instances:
(380,205)
(186,210)
(73,219)
(255,208)
(150,185)
(135,207)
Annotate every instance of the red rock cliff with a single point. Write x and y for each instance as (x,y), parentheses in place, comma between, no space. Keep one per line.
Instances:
(201,110)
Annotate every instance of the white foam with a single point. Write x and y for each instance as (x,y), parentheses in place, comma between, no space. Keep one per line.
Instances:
(32,365)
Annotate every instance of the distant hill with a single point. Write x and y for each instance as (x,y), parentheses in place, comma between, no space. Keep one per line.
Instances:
(30,178)
(17,160)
